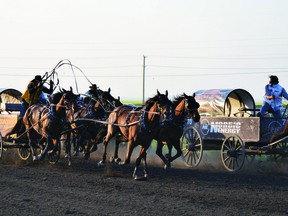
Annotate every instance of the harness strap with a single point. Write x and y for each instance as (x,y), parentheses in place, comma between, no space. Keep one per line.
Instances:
(107,123)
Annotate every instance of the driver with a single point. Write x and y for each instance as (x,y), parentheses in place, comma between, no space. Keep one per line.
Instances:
(273,98)
(34,93)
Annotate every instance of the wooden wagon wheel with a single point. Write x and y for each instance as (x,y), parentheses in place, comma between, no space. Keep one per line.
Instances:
(1,145)
(192,147)
(233,153)
(54,154)
(24,151)
(281,153)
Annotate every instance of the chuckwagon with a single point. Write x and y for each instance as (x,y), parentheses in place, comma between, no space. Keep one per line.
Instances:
(10,105)
(229,123)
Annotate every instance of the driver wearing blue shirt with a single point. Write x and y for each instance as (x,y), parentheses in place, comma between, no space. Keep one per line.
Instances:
(273,98)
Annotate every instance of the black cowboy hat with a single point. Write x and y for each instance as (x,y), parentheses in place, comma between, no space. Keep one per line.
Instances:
(38,77)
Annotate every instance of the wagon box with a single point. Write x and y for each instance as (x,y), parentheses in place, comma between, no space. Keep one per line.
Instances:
(6,122)
(216,128)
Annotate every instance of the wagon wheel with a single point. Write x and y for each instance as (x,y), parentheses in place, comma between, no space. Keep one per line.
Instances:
(191,146)
(24,152)
(281,155)
(54,154)
(1,146)
(233,153)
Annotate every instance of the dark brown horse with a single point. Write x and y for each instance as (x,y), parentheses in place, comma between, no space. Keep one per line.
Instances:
(137,127)
(184,107)
(46,123)
(97,106)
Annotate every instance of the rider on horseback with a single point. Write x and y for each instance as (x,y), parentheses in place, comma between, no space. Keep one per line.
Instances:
(34,93)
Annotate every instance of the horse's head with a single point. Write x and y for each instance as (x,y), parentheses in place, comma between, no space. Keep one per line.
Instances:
(108,101)
(69,98)
(191,106)
(164,105)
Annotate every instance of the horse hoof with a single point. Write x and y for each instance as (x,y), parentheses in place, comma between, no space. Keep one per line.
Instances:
(38,158)
(117,160)
(167,167)
(50,152)
(121,163)
(75,154)
(143,178)
(101,164)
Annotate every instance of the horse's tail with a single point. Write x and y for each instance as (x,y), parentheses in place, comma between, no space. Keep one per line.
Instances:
(17,129)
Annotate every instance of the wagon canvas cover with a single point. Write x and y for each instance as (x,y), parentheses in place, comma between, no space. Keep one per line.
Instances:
(224,102)
(8,98)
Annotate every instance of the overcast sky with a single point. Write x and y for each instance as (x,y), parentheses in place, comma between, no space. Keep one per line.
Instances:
(188,44)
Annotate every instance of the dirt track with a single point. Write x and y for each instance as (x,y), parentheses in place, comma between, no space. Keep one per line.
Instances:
(29,188)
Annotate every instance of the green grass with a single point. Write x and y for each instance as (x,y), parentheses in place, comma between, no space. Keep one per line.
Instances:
(135,102)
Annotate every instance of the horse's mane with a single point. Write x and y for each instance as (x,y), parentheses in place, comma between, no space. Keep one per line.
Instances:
(151,101)
(177,100)
(55,98)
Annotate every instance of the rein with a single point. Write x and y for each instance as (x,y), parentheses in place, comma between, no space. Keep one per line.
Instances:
(107,123)
(119,125)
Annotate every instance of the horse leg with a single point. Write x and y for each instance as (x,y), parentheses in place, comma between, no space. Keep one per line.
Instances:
(119,139)
(105,144)
(87,149)
(159,152)
(68,154)
(178,150)
(142,155)
(101,132)
(75,144)
(130,147)
(49,145)
(33,147)
(145,165)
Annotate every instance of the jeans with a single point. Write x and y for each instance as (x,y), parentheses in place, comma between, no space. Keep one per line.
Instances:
(267,108)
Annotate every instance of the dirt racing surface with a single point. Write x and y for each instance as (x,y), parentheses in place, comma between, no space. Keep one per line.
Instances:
(29,188)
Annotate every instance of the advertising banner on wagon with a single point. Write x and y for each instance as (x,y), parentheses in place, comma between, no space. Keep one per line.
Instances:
(216,128)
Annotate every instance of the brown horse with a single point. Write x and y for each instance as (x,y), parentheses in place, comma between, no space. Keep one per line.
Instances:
(97,106)
(170,133)
(283,133)
(137,127)
(46,123)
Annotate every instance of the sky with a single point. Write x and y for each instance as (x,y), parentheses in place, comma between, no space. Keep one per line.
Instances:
(187,45)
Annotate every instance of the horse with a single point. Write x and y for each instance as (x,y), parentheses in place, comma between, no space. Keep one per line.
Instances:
(170,133)
(280,135)
(89,133)
(46,123)
(137,126)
